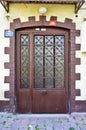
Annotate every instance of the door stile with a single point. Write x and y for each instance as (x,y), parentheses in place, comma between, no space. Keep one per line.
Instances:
(18,62)
(31,69)
(67,69)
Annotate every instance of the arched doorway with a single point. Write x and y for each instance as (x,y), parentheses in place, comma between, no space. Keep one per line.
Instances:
(44,88)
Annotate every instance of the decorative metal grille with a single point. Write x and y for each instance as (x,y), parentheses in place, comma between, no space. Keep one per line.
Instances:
(49,61)
(24,47)
(38,61)
(59,61)
(49,40)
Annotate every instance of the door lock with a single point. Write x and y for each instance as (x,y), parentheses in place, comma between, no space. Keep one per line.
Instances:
(43,92)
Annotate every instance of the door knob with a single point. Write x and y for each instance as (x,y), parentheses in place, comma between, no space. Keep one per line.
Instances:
(43,92)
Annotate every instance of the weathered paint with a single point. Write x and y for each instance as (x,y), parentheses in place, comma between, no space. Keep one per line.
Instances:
(23,11)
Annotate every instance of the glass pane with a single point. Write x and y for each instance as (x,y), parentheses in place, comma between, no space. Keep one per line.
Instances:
(38,60)
(49,40)
(49,61)
(38,40)
(49,72)
(48,50)
(59,61)
(24,61)
(38,72)
(38,51)
(24,39)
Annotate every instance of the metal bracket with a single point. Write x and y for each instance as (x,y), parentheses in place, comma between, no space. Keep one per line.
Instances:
(78,6)
(5,4)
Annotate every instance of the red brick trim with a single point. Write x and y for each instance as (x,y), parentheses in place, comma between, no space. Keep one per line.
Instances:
(71,27)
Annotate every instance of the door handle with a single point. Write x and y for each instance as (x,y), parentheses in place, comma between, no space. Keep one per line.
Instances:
(43,92)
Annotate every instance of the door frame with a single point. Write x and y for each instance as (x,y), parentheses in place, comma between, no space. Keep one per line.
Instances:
(73,76)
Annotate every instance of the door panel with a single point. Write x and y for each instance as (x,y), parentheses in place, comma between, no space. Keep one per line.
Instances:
(24,101)
(49,101)
(23,75)
(42,71)
(49,74)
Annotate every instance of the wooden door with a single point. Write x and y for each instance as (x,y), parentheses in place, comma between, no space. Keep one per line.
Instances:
(42,71)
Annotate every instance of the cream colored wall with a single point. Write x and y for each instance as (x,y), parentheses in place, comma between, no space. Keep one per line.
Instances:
(23,11)
(4,24)
(81,68)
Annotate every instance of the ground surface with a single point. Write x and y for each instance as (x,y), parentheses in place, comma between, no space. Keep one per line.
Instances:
(74,121)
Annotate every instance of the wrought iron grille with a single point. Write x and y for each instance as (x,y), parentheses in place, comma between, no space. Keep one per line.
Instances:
(49,61)
(24,61)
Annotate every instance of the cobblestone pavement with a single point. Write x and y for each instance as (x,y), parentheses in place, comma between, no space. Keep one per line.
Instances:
(74,121)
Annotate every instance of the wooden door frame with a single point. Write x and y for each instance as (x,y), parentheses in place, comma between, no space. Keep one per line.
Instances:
(73,76)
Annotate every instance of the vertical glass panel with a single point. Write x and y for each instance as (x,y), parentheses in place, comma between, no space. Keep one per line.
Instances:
(59,61)
(49,61)
(24,60)
(38,60)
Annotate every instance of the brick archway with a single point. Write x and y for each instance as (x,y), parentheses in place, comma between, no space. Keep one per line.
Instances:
(10,105)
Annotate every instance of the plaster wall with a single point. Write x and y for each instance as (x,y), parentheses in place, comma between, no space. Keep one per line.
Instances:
(3,58)
(23,11)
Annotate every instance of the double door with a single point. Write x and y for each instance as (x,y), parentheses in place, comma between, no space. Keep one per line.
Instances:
(42,70)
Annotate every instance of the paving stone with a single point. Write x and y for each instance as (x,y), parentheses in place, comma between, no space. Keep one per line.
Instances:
(10,121)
